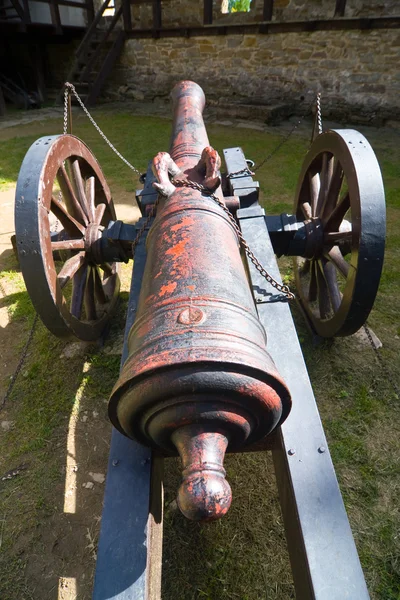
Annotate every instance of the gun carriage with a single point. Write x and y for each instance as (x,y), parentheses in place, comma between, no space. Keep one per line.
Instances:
(204,370)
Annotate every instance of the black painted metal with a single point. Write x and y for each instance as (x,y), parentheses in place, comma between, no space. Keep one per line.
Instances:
(147,195)
(241,185)
(121,569)
(351,154)
(323,555)
(288,235)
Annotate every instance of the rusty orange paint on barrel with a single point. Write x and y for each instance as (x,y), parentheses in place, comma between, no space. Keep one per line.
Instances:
(198,378)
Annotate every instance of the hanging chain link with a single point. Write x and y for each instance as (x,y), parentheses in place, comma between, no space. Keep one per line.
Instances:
(66,100)
(71,88)
(319,113)
(284,289)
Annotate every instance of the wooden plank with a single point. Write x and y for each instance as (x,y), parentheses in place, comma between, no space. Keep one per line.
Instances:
(130,518)
(157,14)
(18,9)
(268,10)
(97,53)
(27,14)
(272,27)
(90,11)
(321,547)
(88,35)
(208,12)
(106,68)
(340,8)
(55,16)
(127,15)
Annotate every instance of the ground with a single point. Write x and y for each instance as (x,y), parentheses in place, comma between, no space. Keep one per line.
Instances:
(55,431)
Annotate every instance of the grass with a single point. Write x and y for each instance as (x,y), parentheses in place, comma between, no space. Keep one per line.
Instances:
(243,556)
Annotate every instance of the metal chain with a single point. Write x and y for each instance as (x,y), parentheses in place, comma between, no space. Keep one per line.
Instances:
(72,89)
(22,357)
(319,113)
(284,289)
(381,362)
(66,97)
(247,171)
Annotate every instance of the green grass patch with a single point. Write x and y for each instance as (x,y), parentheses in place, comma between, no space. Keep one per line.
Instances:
(244,556)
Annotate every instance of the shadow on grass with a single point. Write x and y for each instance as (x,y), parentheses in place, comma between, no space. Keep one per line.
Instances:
(54,455)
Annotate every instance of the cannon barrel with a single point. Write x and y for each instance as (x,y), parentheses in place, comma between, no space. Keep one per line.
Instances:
(198,379)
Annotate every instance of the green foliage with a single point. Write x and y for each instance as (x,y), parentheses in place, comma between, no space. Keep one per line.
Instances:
(239,6)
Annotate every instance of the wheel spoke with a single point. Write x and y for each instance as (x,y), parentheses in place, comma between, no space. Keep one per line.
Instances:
(70,267)
(335,256)
(69,196)
(90,193)
(332,222)
(323,294)
(331,282)
(334,189)
(325,179)
(68,245)
(80,190)
(107,269)
(306,209)
(98,287)
(314,191)
(90,305)
(99,213)
(78,290)
(334,237)
(312,290)
(71,226)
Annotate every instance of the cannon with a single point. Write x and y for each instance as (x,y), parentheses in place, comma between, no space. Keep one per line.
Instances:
(204,368)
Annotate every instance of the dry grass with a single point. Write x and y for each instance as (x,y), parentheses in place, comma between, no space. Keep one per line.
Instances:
(243,556)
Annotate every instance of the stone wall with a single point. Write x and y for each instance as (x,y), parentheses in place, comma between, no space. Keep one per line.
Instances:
(176,13)
(358,72)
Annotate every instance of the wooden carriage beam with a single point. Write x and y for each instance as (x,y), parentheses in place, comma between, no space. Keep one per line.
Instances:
(268,10)
(208,12)
(157,20)
(340,8)
(55,16)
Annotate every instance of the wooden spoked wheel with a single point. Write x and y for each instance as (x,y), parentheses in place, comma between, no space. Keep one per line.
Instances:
(62,204)
(340,196)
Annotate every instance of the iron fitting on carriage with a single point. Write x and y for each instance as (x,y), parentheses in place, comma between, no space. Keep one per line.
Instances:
(198,379)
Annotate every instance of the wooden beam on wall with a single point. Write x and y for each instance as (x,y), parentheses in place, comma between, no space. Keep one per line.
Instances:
(268,10)
(157,18)
(126,14)
(340,8)
(55,16)
(208,12)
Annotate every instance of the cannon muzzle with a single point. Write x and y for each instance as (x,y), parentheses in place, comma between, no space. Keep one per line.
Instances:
(198,379)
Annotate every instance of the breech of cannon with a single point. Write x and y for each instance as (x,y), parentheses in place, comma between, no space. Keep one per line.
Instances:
(198,379)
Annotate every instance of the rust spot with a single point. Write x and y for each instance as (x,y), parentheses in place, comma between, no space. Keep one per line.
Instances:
(178,249)
(185,222)
(167,289)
